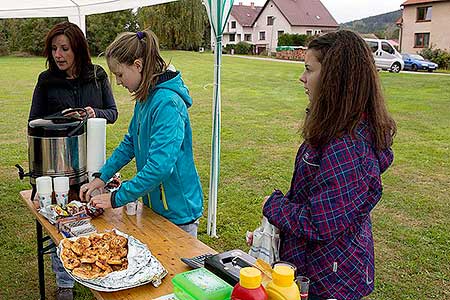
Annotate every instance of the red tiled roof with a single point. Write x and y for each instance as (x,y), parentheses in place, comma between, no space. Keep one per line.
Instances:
(244,14)
(412,2)
(305,12)
(399,21)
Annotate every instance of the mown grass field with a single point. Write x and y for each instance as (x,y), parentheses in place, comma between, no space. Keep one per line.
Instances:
(262,110)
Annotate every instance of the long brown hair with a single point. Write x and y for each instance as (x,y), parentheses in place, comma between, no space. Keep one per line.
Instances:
(349,89)
(78,44)
(128,47)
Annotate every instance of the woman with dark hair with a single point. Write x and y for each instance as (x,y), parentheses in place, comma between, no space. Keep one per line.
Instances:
(71,80)
(324,218)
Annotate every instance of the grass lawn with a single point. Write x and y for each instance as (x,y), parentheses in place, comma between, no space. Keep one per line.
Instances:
(262,110)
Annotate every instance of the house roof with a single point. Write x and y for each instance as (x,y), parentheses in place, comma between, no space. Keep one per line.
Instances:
(304,12)
(245,14)
(412,2)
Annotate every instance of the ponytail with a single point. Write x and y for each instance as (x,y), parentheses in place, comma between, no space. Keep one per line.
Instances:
(128,47)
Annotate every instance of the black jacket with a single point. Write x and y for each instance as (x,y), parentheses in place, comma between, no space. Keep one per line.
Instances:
(54,93)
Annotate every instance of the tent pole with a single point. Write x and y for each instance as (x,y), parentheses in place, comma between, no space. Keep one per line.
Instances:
(215,143)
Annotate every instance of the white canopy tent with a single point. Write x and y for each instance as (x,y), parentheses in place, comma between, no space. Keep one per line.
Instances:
(75,10)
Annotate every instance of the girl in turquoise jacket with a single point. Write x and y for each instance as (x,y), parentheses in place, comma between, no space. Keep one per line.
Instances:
(159,136)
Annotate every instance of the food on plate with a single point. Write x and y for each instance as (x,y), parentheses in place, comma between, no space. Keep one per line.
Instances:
(96,255)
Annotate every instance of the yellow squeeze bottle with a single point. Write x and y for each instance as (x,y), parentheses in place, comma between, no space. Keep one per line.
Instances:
(282,286)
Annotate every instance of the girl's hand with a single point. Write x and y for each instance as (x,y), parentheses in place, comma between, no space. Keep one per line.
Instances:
(101,201)
(90,112)
(87,189)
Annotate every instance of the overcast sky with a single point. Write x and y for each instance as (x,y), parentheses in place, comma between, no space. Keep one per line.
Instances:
(349,10)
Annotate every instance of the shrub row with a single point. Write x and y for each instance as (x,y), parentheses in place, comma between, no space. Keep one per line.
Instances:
(441,57)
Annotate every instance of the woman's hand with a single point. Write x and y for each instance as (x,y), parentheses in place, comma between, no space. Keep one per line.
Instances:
(101,201)
(90,112)
(87,189)
(264,201)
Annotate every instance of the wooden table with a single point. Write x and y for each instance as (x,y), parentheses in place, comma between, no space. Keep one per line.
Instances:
(166,241)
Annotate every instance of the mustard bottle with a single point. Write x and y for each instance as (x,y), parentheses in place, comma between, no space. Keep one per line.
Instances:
(282,286)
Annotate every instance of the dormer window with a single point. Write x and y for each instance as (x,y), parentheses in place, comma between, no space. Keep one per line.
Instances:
(423,14)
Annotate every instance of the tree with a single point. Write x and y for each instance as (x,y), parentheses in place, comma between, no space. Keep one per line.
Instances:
(102,29)
(178,25)
(27,35)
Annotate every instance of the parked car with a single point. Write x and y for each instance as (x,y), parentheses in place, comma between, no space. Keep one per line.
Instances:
(416,62)
(385,55)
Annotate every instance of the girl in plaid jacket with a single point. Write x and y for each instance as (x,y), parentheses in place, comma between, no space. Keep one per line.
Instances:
(324,218)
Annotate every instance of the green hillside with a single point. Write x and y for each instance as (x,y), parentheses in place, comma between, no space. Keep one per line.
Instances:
(382,25)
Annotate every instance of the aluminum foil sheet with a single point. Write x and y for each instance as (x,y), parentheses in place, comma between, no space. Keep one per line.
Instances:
(143,268)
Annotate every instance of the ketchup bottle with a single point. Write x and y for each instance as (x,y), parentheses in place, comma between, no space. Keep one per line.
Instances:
(249,286)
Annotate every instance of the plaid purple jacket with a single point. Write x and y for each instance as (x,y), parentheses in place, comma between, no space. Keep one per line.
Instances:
(324,218)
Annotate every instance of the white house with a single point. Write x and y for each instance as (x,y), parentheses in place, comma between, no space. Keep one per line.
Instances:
(239,26)
(261,26)
(308,17)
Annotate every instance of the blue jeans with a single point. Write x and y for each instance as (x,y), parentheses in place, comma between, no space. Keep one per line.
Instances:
(63,280)
(191,228)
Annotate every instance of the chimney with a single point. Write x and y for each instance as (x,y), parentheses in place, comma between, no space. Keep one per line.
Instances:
(252,5)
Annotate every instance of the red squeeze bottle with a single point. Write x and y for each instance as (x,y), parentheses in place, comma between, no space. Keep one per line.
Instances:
(249,286)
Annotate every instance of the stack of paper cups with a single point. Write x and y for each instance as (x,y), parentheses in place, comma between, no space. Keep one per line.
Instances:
(96,145)
(44,190)
(61,187)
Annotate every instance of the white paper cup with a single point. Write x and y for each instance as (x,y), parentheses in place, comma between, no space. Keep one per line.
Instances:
(45,199)
(44,185)
(61,187)
(131,208)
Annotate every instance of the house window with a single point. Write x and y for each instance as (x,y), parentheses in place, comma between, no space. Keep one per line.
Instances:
(233,24)
(421,40)
(309,32)
(248,37)
(270,20)
(280,32)
(232,37)
(423,14)
(317,32)
(262,35)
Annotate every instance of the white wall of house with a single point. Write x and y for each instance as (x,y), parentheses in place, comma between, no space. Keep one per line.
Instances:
(271,32)
(437,27)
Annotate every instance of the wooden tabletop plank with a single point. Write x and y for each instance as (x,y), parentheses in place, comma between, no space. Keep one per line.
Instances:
(167,242)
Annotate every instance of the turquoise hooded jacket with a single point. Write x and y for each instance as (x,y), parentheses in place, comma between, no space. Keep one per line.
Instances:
(160,139)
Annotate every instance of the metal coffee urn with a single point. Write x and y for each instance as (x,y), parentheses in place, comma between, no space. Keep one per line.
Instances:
(57,147)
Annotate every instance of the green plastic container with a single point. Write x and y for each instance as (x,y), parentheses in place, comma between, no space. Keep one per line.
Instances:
(200,284)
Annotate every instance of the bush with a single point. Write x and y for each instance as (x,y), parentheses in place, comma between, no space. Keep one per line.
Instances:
(243,48)
(287,39)
(3,44)
(441,57)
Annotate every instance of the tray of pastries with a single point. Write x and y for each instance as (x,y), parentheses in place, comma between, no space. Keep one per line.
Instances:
(110,261)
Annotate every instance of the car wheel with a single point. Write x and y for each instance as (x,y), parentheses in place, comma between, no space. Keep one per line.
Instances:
(414,68)
(396,67)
